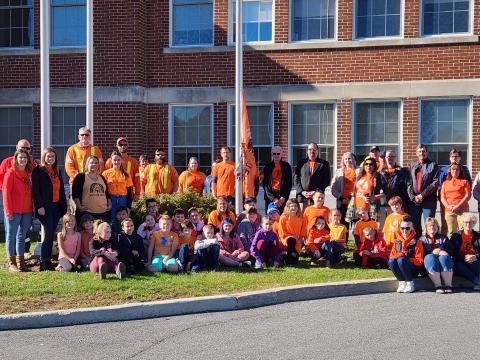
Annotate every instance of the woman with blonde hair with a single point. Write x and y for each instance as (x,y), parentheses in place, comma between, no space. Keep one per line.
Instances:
(292,231)
(343,184)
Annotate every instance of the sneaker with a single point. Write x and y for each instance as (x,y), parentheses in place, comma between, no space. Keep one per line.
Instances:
(247,264)
(121,270)
(258,265)
(409,287)
(476,287)
(448,290)
(103,271)
(195,268)
(439,290)
(401,286)
(328,264)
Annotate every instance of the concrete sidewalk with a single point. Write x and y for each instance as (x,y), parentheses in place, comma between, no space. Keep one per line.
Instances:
(240,301)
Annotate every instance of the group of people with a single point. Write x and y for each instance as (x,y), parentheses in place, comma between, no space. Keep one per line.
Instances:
(380,202)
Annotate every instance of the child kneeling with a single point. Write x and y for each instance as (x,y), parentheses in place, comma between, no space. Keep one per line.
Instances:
(373,250)
(162,248)
(266,248)
(206,250)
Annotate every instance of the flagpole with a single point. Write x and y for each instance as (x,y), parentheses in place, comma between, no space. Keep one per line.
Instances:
(45,133)
(89,79)
(238,103)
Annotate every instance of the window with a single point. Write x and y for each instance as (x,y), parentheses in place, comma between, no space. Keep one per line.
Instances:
(68,22)
(15,123)
(312,123)
(261,128)
(191,135)
(257,20)
(66,120)
(16,23)
(376,123)
(444,125)
(445,16)
(313,19)
(192,22)
(377,18)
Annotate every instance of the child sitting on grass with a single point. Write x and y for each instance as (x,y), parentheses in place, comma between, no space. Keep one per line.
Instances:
(232,252)
(338,231)
(69,241)
(162,248)
(319,244)
(86,228)
(266,247)
(373,251)
(104,252)
(292,231)
(186,240)
(130,247)
(393,220)
(362,222)
(196,219)
(206,250)
(147,228)
(248,227)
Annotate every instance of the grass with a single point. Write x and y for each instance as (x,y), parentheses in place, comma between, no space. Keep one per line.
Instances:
(35,291)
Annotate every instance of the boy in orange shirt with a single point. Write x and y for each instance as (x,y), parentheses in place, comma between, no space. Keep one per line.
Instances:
(162,248)
(363,222)
(393,220)
(312,212)
(223,173)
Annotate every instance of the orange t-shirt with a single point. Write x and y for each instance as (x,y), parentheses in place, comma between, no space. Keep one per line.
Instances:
(363,186)
(55,185)
(276,177)
(338,233)
(27,204)
(213,218)
(358,229)
(117,182)
(466,247)
(190,241)
(348,182)
(391,227)
(311,213)
(191,179)
(164,242)
(292,226)
(454,190)
(130,165)
(313,234)
(224,172)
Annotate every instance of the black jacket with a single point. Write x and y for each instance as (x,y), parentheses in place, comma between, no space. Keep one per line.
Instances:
(395,184)
(430,175)
(286,184)
(456,241)
(319,180)
(42,191)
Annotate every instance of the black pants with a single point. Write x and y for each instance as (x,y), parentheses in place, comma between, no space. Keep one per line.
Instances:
(292,255)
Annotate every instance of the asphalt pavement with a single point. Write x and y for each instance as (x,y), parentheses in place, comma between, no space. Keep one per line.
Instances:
(422,325)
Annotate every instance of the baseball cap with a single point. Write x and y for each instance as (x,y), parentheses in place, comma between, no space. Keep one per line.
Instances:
(375,148)
(250,200)
(272,208)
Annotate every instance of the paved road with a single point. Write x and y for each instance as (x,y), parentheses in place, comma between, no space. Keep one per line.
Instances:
(386,326)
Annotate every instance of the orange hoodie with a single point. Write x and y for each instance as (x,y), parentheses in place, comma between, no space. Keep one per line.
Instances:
(292,226)
(314,233)
(410,247)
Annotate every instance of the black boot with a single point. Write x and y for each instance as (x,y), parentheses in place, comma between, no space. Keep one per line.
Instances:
(46,266)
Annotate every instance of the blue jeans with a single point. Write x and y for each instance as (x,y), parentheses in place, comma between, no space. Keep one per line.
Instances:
(207,258)
(403,269)
(435,264)
(117,200)
(471,272)
(417,212)
(15,233)
(331,250)
(50,222)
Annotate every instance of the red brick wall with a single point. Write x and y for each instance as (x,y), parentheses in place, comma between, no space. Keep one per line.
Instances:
(475,144)
(345,20)
(411,18)
(280,126)
(220,22)
(220,124)
(410,130)
(281,21)
(344,128)
(156,129)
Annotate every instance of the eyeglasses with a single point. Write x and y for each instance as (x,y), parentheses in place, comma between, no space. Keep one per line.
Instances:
(84,135)
(406,228)
(276,153)
(159,154)
(368,164)
(26,148)
(122,145)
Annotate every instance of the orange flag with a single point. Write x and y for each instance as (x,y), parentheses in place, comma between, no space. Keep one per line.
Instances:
(249,165)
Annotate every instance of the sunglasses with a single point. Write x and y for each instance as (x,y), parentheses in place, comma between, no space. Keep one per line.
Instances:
(25,148)
(276,154)
(84,134)
(122,145)
(368,164)
(406,228)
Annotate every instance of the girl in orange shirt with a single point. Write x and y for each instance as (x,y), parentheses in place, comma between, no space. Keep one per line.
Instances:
(222,212)
(191,178)
(292,231)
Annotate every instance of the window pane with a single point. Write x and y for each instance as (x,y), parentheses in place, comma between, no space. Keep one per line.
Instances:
(260,118)
(313,19)
(445,16)
(377,18)
(15,124)
(16,24)
(69,25)
(193,24)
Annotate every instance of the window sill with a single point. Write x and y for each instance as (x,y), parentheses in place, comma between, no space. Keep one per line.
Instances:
(455,39)
(31,51)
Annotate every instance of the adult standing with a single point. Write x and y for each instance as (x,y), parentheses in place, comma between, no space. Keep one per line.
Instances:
(369,188)
(78,153)
(223,183)
(311,173)
(343,184)
(49,200)
(277,180)
(6,164)
(192,178)
(161,177)
(17,202)
(422,188)
(375,154)
(395,179)
(90,192)
(129,164)
(455,157)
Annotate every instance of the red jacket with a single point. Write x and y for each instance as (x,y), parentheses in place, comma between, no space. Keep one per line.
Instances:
(16,192)
(7,164)
(377,246)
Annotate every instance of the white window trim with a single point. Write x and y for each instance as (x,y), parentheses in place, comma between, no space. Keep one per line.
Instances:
(376,38)
(230,117)
(13,48)
(20,106)
(290,27)
(230,26)
(51,29)
(64,105)
(470,23)
(170,130)
(171,29)
(400,125)
(469,120)
(335,126)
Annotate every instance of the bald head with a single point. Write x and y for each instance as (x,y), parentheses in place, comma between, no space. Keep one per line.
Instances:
(24,144)
(276,153)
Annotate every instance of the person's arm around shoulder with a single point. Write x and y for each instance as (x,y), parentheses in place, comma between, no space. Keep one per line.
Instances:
(7,190)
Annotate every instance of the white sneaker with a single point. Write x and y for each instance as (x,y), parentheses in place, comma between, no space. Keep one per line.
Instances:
(409,287)
(258,265)
(476,287)
(401,286)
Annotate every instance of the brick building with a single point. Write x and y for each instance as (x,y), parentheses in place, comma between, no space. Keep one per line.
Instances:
(346,74)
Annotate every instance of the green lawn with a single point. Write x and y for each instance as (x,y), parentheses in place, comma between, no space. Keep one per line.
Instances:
(27,292)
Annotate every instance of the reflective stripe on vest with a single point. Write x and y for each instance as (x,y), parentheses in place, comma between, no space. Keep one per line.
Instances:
(129,166)
(165,177)
(151,175)
(79,157)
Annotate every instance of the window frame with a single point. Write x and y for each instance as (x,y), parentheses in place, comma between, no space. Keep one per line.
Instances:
(26,105)
(469,123)
(32,30)
(171,146)
(290,130)
(171,28)
(400,125)
(290,26)
(52,46)
(230,117)
(471,17)
(376,38)
(231,29)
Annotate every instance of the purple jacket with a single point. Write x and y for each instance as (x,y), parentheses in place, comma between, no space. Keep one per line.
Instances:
(268,237)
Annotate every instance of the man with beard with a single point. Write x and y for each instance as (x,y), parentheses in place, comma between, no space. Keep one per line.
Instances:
(161,177)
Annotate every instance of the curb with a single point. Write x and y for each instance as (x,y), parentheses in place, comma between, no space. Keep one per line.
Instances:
(242,301)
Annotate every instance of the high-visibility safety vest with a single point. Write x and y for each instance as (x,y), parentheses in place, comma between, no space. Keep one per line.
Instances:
(129,167)
(151,176)
(79,157)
